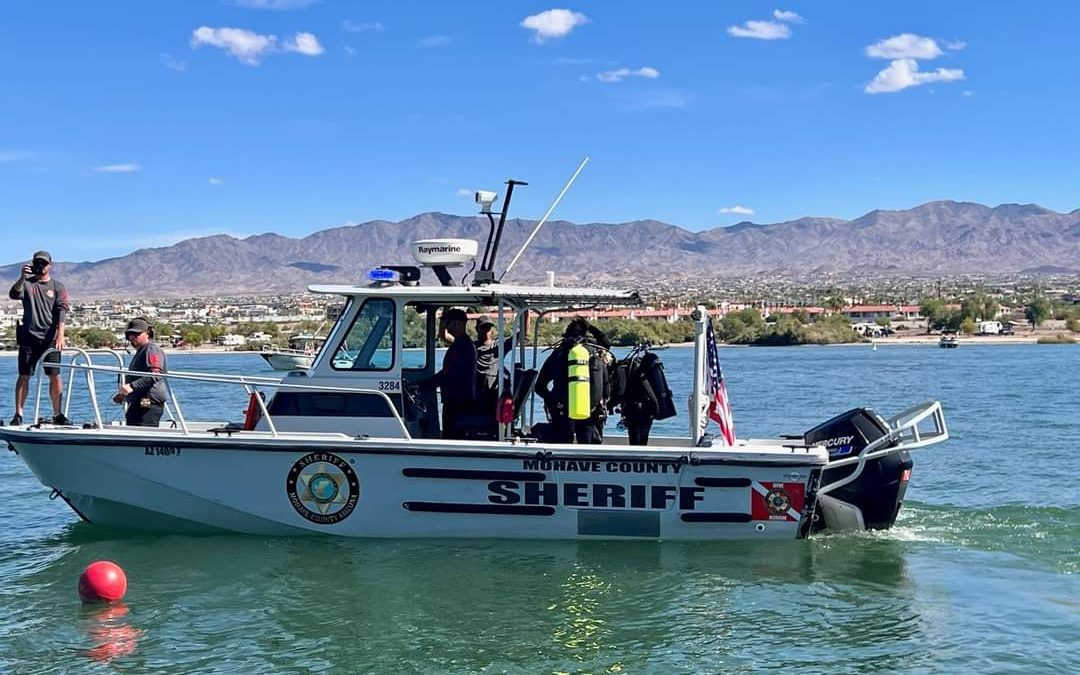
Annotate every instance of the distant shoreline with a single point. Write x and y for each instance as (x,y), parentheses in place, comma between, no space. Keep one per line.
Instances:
(923,339)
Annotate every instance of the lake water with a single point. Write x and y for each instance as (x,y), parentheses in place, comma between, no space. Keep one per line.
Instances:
(981,575)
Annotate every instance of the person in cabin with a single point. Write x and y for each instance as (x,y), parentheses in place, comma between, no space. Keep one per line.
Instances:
(45,307)
(574,384)
(145,395)
(488,366)
(457,378)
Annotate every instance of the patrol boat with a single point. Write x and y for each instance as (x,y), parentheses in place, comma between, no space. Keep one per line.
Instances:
(352,446)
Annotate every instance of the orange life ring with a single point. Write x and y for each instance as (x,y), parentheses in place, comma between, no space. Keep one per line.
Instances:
(253,412)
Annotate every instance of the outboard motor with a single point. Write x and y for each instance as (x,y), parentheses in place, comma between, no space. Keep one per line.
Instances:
(871,501)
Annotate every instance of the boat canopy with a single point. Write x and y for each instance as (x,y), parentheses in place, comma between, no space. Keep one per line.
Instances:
(530,297)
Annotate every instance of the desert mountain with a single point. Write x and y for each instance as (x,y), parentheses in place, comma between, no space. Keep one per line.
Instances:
(938,238)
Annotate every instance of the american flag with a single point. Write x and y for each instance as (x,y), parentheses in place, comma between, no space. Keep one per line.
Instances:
(719,405)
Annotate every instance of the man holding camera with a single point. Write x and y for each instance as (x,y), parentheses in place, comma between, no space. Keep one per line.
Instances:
(45,306)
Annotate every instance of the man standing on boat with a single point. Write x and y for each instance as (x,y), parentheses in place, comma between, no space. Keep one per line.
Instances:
(145,394)
(457,379)
(45,307)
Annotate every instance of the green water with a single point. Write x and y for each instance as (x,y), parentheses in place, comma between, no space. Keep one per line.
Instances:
(981,575)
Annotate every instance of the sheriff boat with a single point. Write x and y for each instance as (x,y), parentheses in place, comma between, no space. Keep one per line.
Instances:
(352,446)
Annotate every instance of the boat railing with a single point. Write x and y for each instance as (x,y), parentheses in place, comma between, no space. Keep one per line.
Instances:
(81,361)
(907,431)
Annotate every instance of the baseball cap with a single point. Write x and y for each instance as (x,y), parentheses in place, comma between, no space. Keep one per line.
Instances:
(43,255)
(136,326)
(484,321)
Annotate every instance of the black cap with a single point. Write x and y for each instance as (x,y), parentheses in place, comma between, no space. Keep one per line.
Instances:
(455,314)
(484,321)
(43,255)
(136,326)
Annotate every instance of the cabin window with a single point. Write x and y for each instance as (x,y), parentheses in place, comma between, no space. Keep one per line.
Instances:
(414,335)
(369,343)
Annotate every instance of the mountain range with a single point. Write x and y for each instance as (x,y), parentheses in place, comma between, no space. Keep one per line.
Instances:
(937,238)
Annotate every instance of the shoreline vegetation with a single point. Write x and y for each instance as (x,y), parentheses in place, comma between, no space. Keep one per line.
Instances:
(912,338)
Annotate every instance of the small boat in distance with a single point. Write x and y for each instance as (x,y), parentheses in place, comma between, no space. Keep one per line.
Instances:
(299,355)
(949,340)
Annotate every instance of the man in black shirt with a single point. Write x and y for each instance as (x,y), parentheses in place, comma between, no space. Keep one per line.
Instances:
(45,307)
(457,379)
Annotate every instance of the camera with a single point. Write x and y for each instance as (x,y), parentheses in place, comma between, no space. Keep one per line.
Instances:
(37,266)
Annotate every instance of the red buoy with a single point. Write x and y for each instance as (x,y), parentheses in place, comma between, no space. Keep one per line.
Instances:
(102,581)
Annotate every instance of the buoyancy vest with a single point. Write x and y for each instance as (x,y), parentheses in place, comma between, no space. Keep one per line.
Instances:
(641,387)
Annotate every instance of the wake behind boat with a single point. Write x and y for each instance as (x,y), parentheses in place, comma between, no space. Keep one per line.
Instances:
(354,446)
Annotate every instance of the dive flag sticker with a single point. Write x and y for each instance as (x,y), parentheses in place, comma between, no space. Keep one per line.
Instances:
(777,501)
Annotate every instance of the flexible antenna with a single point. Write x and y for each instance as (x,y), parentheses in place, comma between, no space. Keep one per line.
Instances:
(544,219)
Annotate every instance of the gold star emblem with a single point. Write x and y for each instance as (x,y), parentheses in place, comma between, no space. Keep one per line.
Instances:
(323,487)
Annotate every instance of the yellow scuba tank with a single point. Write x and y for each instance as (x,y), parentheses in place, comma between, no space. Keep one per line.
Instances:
(579,405)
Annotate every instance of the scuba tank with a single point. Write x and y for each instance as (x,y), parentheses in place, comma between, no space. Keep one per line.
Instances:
(579,405)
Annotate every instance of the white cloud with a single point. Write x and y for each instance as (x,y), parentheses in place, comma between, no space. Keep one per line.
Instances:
(955,45)
(215,181)
(363,26)
(904,73)
(250,47)
(349,50)
(760,30)
(968,93)
(275,4)
(247,46)
(432,41)
(621,74)
(173,63)
(905,46)
(737,209)
(304,43)
(462,192)
(786,15)
(553,23)
(128,167)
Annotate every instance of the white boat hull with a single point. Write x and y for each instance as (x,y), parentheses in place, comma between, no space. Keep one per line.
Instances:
(251,483)
(283,361)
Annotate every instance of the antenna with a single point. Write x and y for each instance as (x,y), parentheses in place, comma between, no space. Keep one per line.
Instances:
(544,219)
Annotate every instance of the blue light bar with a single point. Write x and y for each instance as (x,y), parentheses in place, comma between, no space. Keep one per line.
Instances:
(381,274)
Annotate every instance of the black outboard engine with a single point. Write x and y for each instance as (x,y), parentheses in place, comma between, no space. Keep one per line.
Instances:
(871,501)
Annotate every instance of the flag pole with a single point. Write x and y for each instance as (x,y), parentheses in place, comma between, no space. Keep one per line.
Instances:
(698,403)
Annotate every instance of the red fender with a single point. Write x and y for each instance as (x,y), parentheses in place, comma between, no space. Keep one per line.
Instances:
(252,413)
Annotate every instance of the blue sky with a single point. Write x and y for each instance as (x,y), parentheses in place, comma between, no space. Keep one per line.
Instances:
(132,124)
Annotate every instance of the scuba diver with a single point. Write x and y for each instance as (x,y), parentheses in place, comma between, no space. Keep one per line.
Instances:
(575,385)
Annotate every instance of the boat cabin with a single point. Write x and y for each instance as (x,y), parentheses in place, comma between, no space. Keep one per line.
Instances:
(386,347)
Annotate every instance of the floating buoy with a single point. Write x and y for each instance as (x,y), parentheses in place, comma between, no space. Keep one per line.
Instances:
(102,581)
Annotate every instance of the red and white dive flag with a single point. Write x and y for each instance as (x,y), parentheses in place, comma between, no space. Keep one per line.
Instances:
(719,405)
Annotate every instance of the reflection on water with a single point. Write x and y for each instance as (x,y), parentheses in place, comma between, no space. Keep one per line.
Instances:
(110,634)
